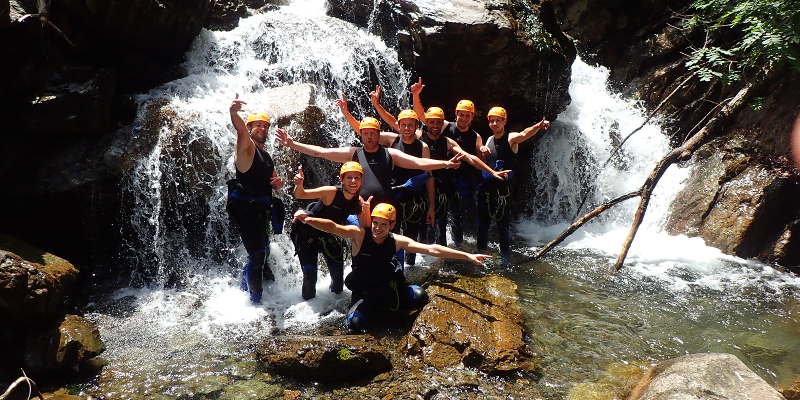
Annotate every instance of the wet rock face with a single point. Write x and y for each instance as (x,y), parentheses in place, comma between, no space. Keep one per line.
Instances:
(702,376)
(739,206)
(475,49)
(68,348)
(330,359)
(474,322)
(33,288)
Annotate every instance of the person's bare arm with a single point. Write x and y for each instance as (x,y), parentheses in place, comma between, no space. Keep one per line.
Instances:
(388,138)
(515,138)
(342,103)
(416,100)
(476,161)
(435,250)
(324,193)
(375,99)
(410,162)
(336,154)
(326,225)
(245,148)
(430,188)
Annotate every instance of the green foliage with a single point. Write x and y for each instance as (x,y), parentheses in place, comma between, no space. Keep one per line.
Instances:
(344,355)
(765,33)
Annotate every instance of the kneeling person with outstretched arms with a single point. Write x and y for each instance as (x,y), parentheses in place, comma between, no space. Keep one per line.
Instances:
(377,280)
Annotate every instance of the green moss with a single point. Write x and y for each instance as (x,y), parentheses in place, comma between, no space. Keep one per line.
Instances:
(344,355)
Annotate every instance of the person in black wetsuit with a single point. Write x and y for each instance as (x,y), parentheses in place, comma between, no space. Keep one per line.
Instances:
(335,203)
(377,281)
(377,160)
(250,196)
(494,196)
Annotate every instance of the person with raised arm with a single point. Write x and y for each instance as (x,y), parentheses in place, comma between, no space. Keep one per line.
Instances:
(250,196)
(494,197)
(336,203)
(441,147)
(377,281)
(466,179)
(377,161)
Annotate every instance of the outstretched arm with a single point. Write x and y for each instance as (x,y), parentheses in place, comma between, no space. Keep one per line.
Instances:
(375,99)
(342,103)
(516,138)
(410,162)
(324,193)
(243,142)
(476,161)
(336,154)
(326,225)
(436,250)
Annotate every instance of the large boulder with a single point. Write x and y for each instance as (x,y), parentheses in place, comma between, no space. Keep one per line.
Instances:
(471,322)
(739,205)
(330,359)
(33,284)
(68,348)
(493,52)
(703,376)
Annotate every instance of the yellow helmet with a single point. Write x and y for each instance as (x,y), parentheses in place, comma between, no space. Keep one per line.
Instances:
(465,105)
(434,113)
(257,117)
(385,210)
(407,114)
(351,166)
(497,112)
(369,122)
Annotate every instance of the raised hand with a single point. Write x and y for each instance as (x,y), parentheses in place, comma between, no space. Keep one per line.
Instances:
(484,151)
(284,138)
(544,124)
(365,203)
(375,95)
(236,105)
(501,175)
(276,182)
(299,177)
(342,103)
(477,259)
(417,87)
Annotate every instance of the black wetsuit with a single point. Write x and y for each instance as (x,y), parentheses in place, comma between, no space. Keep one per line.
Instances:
(310,242)
(377,181)
(377,283)
(438,149)
(249,200)
(464,181)
(494,195)
(411,203)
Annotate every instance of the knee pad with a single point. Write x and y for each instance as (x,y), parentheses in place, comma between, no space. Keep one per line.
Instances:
(417,296)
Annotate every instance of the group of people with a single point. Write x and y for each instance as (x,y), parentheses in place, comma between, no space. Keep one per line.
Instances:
(395,192)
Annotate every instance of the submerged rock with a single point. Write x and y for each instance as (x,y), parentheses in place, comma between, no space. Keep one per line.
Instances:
(474,322)
(251,390)
(328,358)
(67,348)
(703,376)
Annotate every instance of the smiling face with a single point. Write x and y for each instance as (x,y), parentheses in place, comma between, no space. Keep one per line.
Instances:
(370,137)
(408,128)
(351,182)
(497,124)
(258,131)
(463,119)
(435,126)
(381,228)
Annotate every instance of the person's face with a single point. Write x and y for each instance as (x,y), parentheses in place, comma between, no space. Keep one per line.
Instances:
(435,126)
(463,119)
(408,127)
(497,124)
(258,131)
(381,227)
(351,182)
(370,137)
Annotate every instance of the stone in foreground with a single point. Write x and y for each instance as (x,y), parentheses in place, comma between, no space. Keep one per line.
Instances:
(474,322)
(326,358)
(703,376)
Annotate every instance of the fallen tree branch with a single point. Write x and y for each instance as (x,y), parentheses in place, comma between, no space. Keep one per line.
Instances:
(22,379)
(580,221)
(681,153)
